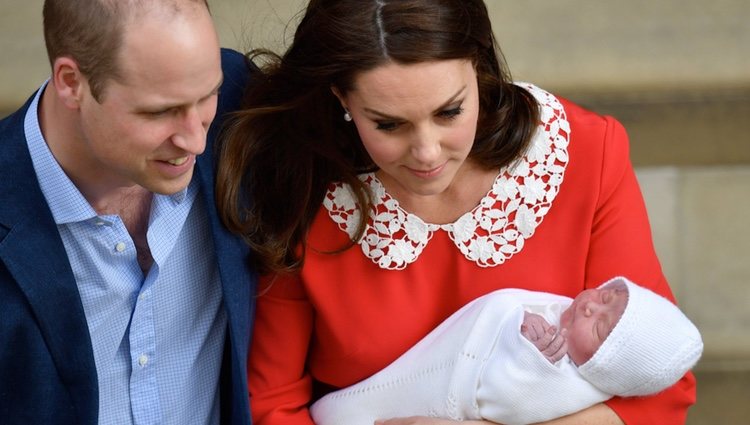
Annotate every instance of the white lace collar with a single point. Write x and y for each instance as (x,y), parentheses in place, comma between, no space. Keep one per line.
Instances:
(494,230)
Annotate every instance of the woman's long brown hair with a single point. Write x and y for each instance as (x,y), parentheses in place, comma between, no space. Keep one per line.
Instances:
(280,153)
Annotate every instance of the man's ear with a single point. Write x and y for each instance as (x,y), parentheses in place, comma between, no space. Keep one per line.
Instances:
(68,82)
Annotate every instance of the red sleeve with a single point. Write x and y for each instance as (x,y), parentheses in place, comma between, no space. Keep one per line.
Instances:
(280,387)
(621,244)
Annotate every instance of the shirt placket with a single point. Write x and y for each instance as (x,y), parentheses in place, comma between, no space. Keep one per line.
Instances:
(144,391)
(143,357)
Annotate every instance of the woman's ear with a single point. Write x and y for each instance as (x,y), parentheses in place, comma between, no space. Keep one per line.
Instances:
(68,82)
(336,92)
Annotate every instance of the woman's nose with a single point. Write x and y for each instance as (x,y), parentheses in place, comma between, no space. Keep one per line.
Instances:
(425,146)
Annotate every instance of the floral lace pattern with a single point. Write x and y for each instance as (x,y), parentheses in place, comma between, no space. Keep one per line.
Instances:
(494,230)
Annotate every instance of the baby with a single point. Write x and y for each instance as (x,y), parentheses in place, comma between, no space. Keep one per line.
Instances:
(584,325)
(619,339)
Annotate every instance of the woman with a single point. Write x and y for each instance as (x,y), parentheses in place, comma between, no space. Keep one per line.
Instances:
(386,172)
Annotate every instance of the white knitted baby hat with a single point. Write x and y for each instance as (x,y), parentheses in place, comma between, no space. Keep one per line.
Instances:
(652,346)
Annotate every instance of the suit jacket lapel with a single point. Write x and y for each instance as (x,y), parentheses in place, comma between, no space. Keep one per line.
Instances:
(32,251)
(231,257)
(237,279)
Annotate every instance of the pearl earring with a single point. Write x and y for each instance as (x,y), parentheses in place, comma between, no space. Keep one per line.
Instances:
(347,116)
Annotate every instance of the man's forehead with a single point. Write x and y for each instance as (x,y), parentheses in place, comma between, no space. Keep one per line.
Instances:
(139,9)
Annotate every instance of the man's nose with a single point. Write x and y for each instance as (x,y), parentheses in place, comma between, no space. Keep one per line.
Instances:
(191,131)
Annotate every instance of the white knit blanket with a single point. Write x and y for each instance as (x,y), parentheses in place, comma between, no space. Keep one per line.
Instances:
(474,365)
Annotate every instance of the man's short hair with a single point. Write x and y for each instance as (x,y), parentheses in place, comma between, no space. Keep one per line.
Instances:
(91,33)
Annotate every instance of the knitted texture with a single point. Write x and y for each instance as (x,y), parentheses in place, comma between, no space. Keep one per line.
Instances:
(652,346)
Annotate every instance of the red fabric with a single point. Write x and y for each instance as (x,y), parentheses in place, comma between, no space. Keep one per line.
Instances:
(345,318)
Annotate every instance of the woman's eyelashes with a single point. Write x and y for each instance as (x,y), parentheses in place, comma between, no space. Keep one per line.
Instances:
(445,114)
(451,113)
(387,126)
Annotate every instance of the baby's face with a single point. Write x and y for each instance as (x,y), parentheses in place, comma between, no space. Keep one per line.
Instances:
(590,318)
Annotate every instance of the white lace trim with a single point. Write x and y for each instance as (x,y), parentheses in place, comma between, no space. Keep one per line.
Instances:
(494,230)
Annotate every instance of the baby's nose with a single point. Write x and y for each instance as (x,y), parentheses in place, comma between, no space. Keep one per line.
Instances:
(591,307)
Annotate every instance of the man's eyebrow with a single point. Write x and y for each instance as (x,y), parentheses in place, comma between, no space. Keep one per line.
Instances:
(217,87)
(445,104)
(168,106)
(215,90)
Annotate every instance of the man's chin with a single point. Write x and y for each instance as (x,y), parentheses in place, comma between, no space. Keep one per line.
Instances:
(171,187)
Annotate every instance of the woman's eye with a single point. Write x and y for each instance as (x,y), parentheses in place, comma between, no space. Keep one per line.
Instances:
(451,113)
(387,126)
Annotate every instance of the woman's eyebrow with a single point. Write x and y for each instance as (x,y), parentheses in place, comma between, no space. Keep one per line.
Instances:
(438,109)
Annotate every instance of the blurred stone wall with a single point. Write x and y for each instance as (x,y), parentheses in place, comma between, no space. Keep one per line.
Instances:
(565,45)
(676,73)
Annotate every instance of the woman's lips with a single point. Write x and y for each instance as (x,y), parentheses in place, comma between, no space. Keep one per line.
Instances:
(427,173)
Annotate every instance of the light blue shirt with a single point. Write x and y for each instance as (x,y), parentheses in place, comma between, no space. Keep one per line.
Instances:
(158,339)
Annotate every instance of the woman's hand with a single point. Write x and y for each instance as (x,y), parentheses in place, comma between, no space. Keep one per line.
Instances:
(422,420)
(598,414)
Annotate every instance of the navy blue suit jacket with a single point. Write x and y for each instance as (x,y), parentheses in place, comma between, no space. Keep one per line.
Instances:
(47,371)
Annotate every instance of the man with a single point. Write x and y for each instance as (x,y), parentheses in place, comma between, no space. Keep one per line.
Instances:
(122,298)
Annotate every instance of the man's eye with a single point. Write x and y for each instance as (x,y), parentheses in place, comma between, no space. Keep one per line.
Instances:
(160,113)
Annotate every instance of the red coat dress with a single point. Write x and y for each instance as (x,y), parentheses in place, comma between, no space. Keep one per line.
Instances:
(568,216)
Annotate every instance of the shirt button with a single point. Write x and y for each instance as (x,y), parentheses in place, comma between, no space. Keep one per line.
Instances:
(142,360)
(120,246)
